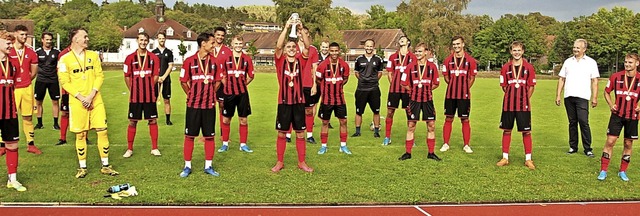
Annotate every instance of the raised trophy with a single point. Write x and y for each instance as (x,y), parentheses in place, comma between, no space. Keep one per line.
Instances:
(296,18)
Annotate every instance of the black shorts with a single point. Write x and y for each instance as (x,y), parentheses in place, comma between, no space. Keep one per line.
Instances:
(41,89)
(166,88)
(136,110)
(197,119)
(64,105)
(393,100)
(220,96)
(311,100)
(522,118)
(325,111)
(616,123)
(9,130)
(290,115)
(368,97)
(463,106)
(240,101)
(426,108)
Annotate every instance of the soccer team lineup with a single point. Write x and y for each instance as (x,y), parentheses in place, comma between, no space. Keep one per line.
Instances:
(310,85)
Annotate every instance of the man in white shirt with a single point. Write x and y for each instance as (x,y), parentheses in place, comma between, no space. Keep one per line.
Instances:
(576,74)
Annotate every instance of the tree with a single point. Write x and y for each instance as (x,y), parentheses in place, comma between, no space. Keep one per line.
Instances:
(182,49)
(252,49)
(107,36)
(43,17)
(313,13)
(128,13)
(344,19)
(262,13)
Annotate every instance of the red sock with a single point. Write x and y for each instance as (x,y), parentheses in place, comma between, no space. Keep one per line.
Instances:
(343,137)
(506,142)
(309,122)
(153,131)
(301,147)
(408,146)
(625,163)
(431,144)
(64,124)
(131,135)
(244,131)
(225,129)
(466,132)
(187,151)
(387,127)
(324,137)
(604,163)
(209,148)
(281,145)
(12,160)
(446,130)
(528,145)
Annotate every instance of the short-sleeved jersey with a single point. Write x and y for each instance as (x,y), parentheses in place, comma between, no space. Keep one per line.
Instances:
(141,71)
(166,57)
(458,75)
(332,78)
(290,78)
(368,69)
(195,71)
(321,57)
(23,59)
(313,58)
(47,65)
(80,73)
(62,53)
(421,79)
(624,87)
(221,53)
(523,76)
(7,86)
(236,70)
(397,65)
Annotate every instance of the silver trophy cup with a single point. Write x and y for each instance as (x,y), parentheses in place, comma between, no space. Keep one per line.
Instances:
(294,17)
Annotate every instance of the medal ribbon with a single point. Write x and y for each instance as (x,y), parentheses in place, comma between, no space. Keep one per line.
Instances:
(142,62)
(5,68)
(455,61)
(421,72)
(334,70)
(292,73)
(517,75)
(628,87)
(205,70)
(83,64)
(237,62)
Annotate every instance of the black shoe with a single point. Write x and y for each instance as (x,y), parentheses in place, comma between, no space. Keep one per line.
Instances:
(311,140)
(288,139)
(589,154)
(61,142)
(376,135)
(405,156)
(572,151)
(433,156)
(38,126)
(356,134)
(330,127)
(88,142)
(56,127)
(169,122)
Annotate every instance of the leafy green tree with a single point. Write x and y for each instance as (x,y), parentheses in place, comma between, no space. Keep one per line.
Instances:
(313,13)
(252,49)
(105,34)
(128,13)
(43,17)
(182,49)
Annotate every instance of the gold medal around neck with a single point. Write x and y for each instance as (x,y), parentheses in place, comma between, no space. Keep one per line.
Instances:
(291,84)
(206,81)
(420,85)
(517,85)
(142,74)
(333,81)
(84,77)
(237,75)
(457,72)
(628,98)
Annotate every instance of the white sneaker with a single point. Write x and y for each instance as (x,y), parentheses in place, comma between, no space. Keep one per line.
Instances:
(444,148)
(467,149)
(155,152)
(127,154)
(16,185)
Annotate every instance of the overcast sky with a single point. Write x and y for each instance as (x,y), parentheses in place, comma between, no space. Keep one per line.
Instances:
(562,10)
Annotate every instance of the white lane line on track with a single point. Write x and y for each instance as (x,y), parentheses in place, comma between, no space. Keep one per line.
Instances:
(422,210)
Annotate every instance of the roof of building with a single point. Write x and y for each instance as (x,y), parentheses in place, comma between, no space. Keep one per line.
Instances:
(10,24)
(354,39)
(152,27)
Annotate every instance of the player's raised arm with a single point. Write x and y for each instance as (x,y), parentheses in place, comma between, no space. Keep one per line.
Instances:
(282,38)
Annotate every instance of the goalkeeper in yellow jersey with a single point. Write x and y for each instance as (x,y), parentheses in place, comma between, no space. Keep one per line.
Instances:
(80,74)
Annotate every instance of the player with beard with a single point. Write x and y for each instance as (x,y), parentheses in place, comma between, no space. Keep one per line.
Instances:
(164,81)
(368,71)
(47,79)
(396,67)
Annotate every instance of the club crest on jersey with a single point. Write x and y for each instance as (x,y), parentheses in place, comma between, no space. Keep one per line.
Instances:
(89,60)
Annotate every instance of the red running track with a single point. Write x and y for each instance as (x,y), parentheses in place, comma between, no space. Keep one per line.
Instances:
(546,209)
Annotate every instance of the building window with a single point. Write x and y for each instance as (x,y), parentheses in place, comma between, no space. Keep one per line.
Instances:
(140,30)
(128,45)
(273,51)
(189,34)
(151,46)
(188,47)
(169,31)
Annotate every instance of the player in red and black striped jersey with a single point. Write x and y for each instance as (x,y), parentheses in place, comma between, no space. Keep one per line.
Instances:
(518,81)
(459,72)
(332,74)
(64,107)
(289,68)
(220,53)
(624,114)
(396,67)
(200,79)
(8,110)
(310,88)
(237,73)
(420,79)
(141,71)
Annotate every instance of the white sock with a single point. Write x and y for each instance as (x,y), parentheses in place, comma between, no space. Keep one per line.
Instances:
(343,143)
(309,134)
(12,177)
(83,163)
(288,135)
(242,144)
(527,156)
(187,164)
(505,155)
(324,145)
(207,163)
(226,143)
(105,161)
